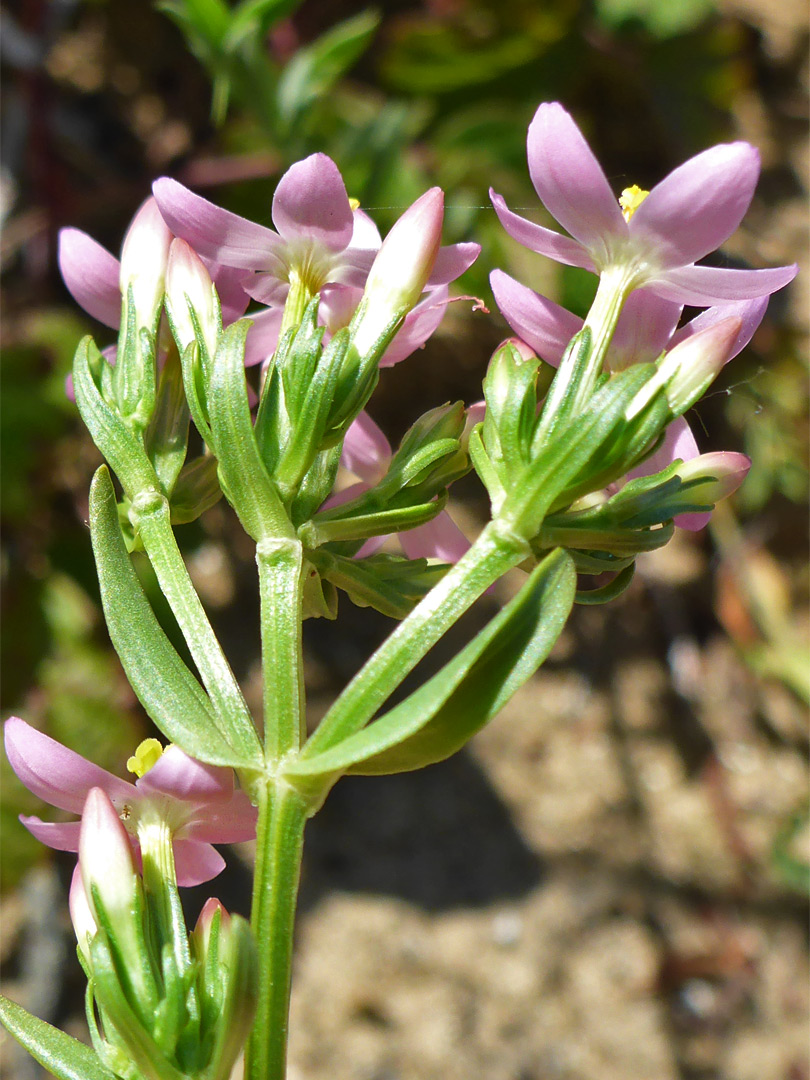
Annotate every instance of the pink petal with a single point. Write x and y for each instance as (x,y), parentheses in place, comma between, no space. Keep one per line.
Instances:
(751,312)
(544,241)
(451,262)
(232,297)
(679,442)
(230,823)
(311,201)
(643,331)
(91,274)
(366,451)
(365,236)
(705,285)
(182,777)
(61,836)
(570,181)
(699,205)
(196,862)
(55,774)
(214,233)
(418,326)
(338,305)
(269,288)
(540,322)
(262,337)
(439,539)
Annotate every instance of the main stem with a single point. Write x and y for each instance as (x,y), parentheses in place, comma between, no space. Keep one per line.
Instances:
(279,845)
(282,811)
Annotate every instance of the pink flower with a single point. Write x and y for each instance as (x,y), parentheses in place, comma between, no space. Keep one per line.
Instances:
(320,240)
(93,275)
(661,235)
(198,802)
(367,454)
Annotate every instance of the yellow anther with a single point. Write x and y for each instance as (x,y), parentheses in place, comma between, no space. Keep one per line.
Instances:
(354,204)
(631,199)
(147,755)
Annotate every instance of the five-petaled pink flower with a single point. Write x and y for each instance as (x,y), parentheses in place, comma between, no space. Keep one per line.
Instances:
(198,802)
(320,240)
(658,240)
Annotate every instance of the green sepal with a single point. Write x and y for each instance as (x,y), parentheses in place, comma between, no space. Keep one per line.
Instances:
(391,584)
(571,388)
(148,1058)
(607,592)
(63,1056)
(122,448)
(240,965)
(447,710)
(510,390)
(545,482)
(323,529)
(135,368)
(309,415)
(166,688)
(166,438)
(319,599)
(195,385)
(242,473)
(196,490)
(316,486)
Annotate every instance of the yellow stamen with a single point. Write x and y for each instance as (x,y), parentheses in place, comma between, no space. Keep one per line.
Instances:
(631,199)
(147,755)
(354,204)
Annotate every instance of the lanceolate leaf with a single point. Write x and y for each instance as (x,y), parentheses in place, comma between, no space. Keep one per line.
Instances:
(164,685)
(63,1056)
(439,717)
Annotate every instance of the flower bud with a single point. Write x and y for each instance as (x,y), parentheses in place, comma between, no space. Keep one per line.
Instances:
(401,269)
(707,479)
(81,914)
(144,256)
(692,366)
(105,856)
(189,289)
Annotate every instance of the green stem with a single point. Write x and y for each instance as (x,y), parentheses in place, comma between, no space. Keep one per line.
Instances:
(493,553)
(615,285)
(150,514)
(279,844)
(280,563)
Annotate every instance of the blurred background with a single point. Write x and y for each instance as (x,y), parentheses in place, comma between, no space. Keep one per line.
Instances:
(611,882)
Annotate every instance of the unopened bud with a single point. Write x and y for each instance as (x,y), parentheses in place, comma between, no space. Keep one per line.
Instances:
(401,269)
(191,299)
(144,256)
(105,856)
(707,479)
(692,366)
(81,914)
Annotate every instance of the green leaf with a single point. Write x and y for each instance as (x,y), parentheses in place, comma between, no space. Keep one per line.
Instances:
(63,1056)
(314,70)
(253,18)
(163,684)
(439,717)
(122,449)
(242,473)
